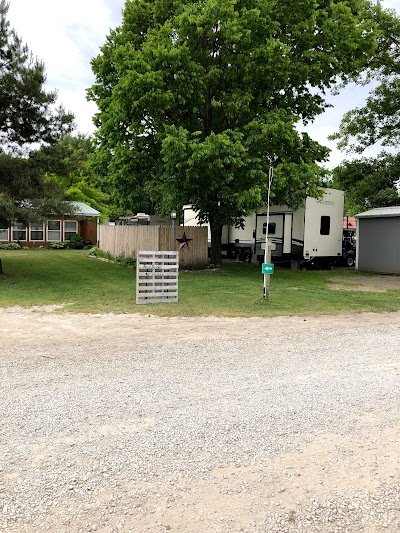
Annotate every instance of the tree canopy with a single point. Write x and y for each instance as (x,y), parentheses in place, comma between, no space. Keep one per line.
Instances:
(68,164)
(27,115)
(374,182)
(198,98)
(369,182)
(378,121)
(24,195)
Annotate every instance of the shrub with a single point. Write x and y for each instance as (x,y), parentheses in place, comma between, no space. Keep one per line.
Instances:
(124,261)
(99,253)
(58,245)
(10,246)
(96,252)
(76,242)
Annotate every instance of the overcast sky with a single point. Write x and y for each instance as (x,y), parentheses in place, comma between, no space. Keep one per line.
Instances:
(66,35)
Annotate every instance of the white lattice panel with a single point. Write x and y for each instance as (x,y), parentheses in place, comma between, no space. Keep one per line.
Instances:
(157,277)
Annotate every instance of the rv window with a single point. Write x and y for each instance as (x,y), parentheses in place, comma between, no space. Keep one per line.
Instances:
(325,225)
(271,228)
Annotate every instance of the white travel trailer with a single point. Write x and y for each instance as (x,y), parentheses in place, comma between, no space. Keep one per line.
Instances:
(312,233)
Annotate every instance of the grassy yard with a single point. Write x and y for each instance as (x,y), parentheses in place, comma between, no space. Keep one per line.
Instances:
(70,277)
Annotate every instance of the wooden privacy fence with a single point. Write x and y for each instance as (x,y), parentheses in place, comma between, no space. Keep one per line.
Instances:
(128,240)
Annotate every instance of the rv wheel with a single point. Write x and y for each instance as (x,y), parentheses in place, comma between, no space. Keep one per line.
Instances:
(349,259)
(246,257)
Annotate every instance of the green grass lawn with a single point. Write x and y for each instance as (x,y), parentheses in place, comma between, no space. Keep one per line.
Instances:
(70,277)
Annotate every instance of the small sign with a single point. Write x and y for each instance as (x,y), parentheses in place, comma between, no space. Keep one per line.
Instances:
(267,268)
(271,246)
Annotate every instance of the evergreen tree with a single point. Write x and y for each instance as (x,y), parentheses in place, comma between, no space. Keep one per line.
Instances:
(27,115)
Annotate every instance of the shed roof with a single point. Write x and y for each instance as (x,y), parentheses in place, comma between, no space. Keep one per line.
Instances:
(393,211)
(85,210)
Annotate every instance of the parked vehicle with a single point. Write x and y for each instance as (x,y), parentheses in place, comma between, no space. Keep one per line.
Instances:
(142,219)
(303,237)
(349,248)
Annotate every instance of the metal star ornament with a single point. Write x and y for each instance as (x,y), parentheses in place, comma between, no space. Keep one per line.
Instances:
(183,241)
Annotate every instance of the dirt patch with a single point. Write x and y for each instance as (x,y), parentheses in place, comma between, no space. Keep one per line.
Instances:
(332,464)
(365,283)
(35,308)
(39,326)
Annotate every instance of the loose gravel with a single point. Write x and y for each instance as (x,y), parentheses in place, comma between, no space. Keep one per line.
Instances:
(297,432)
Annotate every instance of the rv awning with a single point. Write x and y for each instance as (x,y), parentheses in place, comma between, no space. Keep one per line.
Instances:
(79,208)
(379,212)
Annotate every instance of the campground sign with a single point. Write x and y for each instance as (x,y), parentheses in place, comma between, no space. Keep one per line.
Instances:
(267,268)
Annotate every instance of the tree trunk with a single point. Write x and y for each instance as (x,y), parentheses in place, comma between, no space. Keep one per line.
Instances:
(216,251)
(1,268)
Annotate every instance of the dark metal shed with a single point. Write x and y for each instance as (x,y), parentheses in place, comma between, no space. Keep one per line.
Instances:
(378,240)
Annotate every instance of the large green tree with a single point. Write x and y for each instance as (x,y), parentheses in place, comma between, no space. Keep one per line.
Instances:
(27,115)
(197,98)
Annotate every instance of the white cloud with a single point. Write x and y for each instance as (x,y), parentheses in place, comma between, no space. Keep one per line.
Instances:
(66,36)
(327,123)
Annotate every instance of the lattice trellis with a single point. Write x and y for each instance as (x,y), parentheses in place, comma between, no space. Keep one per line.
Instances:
(157,277)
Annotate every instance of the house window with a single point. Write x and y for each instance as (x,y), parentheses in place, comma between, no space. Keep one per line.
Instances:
(54,230)
(325,227)
(19,231)
(3,232)
(271,228)
(36,231)
(70,228)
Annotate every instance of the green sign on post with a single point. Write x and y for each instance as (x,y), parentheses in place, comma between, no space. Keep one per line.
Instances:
(267,268)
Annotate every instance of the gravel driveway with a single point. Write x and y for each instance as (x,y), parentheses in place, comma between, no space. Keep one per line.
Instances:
(142,424)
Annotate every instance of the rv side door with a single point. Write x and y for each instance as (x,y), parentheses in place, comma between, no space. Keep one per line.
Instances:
(274,233)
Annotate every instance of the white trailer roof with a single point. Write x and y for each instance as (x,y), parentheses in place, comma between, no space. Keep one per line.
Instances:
(393,211)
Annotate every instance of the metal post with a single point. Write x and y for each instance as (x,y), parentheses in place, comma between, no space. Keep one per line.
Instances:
(267,253)
(98,232)
(173,217)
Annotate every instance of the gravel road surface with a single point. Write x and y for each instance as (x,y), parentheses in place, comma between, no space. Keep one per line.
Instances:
(128,423)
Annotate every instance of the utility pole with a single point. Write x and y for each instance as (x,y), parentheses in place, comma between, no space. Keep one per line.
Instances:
(267,252)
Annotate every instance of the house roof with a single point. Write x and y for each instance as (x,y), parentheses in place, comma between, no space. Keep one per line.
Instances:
(393,211)
(349,223)
(85,210)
